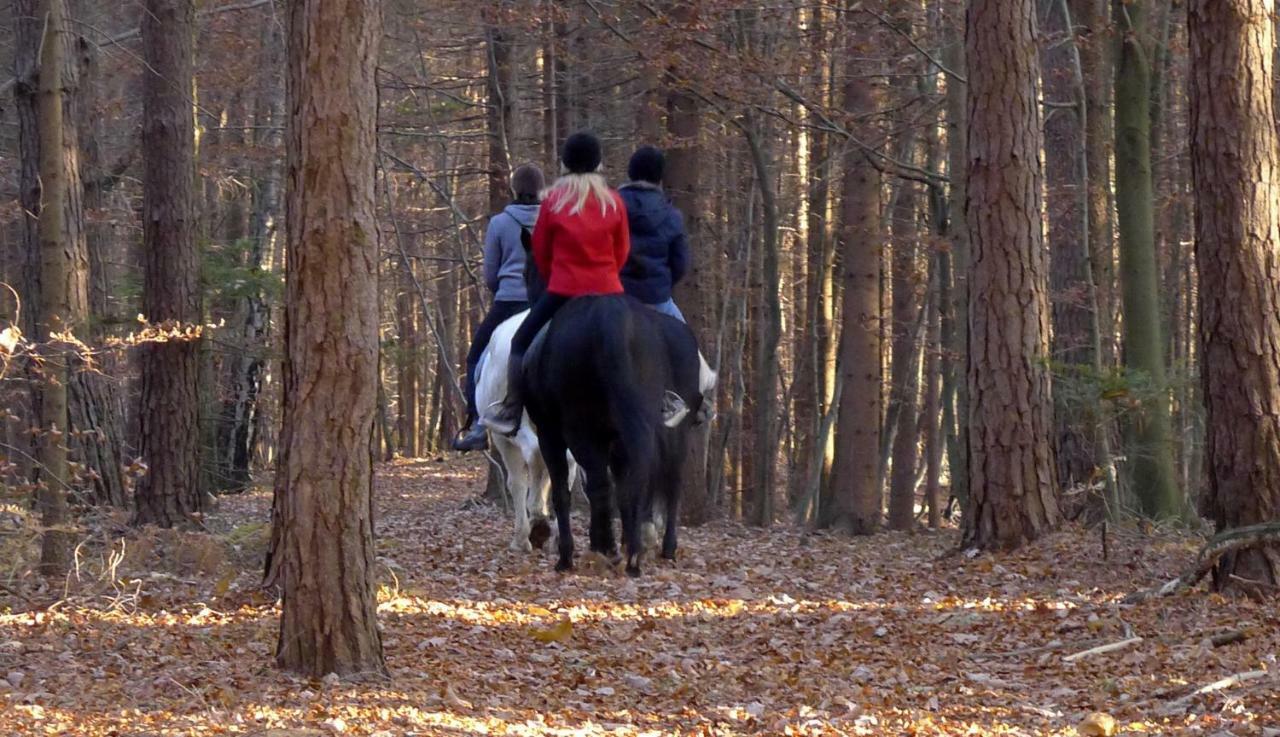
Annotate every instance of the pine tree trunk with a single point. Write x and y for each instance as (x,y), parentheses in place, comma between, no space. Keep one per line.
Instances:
(242,409)
(169,493)
(808,280)
(96,402)
(693,294)
(1234,158)
(765,420)
(957,323)
(498,110)
(856,504)
(1149,433)
(1068,263)
(905,352)
(1011,468)
(1095,47)
(322,547)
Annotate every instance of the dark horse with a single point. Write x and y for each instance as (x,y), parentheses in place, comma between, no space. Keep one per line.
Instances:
(602,383)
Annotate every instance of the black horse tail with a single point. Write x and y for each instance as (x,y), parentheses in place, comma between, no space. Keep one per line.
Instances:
(635,417)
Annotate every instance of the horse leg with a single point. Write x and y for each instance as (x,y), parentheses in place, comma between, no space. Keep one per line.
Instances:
(672,466)
(669,534)
(633,481)
(553,450)
(593,462)
(539,492)
(518,489)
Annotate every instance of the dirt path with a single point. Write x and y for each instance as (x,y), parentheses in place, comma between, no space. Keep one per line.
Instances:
(776,632)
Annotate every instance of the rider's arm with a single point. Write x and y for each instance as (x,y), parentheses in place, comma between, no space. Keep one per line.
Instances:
(492,254)
(542,243)
(621,234)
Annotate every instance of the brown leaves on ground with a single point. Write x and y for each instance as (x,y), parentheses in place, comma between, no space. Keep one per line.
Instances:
(778,632)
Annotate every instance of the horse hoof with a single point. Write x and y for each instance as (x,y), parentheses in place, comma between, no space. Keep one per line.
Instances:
(669,555)
(563,566)
(633,571)
(521,545)
(539,533)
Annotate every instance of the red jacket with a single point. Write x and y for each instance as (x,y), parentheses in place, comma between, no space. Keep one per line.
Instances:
(581,253)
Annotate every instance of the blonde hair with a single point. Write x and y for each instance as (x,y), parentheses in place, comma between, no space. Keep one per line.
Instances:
(577,189)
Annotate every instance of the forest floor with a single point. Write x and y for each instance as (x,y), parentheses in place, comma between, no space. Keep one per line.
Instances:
(751,632)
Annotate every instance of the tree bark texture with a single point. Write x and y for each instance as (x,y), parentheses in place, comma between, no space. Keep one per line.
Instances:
(170,492)
(1011,468)
(322,547)
(684,183)
(1236,173)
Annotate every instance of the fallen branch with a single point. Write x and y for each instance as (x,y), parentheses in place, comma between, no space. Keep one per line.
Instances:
(1221,544)
(1181,704)
(1099,650)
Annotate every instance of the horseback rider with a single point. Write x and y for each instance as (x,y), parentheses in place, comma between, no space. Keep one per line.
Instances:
(659,248)
(504,260)
(580,243)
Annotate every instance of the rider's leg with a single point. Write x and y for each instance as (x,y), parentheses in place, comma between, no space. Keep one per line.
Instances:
(474,439)
(507,418)
(668,308)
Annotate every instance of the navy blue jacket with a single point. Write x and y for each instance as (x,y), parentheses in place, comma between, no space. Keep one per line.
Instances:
(659,250)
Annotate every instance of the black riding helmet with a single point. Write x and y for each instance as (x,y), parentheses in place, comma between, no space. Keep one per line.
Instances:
(581,153)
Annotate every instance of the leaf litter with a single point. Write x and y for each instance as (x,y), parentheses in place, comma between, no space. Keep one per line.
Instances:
(780,632)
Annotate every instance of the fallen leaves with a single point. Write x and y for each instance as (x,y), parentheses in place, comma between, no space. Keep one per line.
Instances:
(777,632)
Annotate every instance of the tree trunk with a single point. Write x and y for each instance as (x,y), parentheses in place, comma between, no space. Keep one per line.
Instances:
(1150,441)
(59,308)
(322,548)
(498,110)
(96,404)
(905,316)
(1234,158)
(765,420)
(1095,48)
(242,407)
(169,494)
(856,505)
(808,262)
(1068,262)
(956,324)
(1011,468)
(684,183)
(932,402)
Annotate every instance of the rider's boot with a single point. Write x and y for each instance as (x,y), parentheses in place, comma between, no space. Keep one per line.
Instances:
(476,438)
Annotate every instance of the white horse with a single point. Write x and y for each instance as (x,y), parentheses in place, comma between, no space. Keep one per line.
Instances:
(528,485)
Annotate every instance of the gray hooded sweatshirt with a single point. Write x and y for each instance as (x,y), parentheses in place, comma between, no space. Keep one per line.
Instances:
(503,254)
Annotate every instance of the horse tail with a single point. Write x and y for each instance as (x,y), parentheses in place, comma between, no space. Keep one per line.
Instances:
(634,419)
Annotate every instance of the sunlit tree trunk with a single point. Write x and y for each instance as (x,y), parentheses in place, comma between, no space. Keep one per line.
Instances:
(322,550)
(1012,494)
(1235,163)
(61,306)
